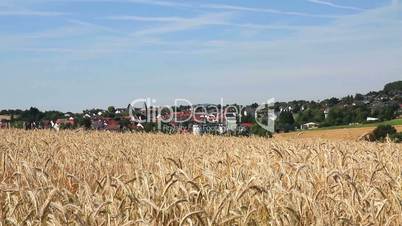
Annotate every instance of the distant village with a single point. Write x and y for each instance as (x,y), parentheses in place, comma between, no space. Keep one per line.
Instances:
(375,106)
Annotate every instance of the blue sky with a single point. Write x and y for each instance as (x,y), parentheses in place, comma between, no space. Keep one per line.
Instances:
(76,54)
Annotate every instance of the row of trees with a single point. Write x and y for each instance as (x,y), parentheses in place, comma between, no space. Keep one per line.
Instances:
(383,105)
(338,115)
(34,115)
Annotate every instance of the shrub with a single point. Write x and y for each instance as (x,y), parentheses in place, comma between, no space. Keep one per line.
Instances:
(382,131)
(259,131)
(84,122)
(67,126)
(397,137)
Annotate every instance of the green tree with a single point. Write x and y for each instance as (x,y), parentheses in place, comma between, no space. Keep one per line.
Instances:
(393,87)
(111,109)
(345,115)
(359,97)
(259,131)
(361,113)
(84,122)
(111,112)
(53,115)
(310,115)
(335,117)
(382,131)
(124,123)
(397,137)
(31,115)
(333,101)
(285,122)
(387,111)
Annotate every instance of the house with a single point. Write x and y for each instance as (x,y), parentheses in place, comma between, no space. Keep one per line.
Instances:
(67,121)
(5,118)
(5,121)
(178,117)
(231,121)
(111,124)
(199,117)
(326,112)
(3,125)
(249,111)
(105,123)
(46,124)
(371,119)
(196,130)
(97,124)
(310,125)
(247,124)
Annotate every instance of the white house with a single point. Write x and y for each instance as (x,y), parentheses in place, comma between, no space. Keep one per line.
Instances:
(310,125)
(371,119)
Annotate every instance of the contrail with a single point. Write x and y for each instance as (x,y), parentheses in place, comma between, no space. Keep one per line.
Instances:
(333,5)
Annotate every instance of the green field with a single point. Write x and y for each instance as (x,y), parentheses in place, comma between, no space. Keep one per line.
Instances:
(394,122)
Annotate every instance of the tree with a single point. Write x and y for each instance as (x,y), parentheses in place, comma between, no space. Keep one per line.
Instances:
(361,113)
(124,123)
(259,131)
(347,100)
(382,131)
(387,111)
(345,115)
(310,115)
(393,87)
(111,109)
(254,105)
(397,137)
(53,115)
(150,127)
(285,122)
(333,101)
(359,97)
(31,115)
(84,122)
(110,112)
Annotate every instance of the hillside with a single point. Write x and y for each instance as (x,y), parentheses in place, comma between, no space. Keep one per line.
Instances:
(351,134)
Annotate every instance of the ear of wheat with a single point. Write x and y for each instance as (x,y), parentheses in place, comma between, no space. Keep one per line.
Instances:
(97,178)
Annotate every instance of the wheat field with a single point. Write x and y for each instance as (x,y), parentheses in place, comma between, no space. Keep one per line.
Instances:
(101,178)
(352,134)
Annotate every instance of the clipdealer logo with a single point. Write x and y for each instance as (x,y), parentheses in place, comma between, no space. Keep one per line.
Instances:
(146,110)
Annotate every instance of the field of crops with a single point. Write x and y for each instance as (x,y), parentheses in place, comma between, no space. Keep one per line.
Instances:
(94,178)
(351,134)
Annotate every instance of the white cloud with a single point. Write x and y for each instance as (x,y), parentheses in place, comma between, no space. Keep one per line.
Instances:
(344,40)
(181,24)
(73,28)
(32,13)
(93,26)
(333,5)
(144,2)
(216,22)
(159,3)
(147,19)
(264,10)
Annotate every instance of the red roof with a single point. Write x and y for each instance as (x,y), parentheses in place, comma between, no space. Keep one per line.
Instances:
(247,124)
(112,124)
(178,116)
(65,121)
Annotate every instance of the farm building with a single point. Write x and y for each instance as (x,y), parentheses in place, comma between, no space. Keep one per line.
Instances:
(310,125)
(4,118)
(371,119)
